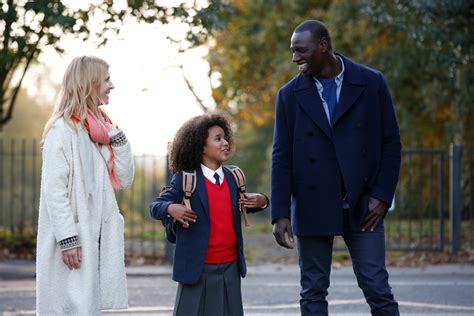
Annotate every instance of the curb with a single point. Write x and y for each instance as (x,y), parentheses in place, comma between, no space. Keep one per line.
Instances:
(26,269)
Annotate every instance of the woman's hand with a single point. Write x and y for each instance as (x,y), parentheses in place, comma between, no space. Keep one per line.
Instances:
(253,200)
(182,214)
(72,258)
(116,135)
(112,129)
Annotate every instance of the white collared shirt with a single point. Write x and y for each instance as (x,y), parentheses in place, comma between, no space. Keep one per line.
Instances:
(338,80)
(209,173)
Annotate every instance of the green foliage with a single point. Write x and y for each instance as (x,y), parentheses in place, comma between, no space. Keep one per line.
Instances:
(252,56)
(20,244)
(423,47)
(28,27)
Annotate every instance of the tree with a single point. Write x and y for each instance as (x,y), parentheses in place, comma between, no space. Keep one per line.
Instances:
(440,34)
(424,48)
(252,58)
(28,27)
(434,39)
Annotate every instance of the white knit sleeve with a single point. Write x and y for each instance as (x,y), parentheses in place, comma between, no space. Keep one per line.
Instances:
(124,164)
(54,182)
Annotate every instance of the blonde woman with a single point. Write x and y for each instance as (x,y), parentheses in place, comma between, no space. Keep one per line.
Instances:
(80,253)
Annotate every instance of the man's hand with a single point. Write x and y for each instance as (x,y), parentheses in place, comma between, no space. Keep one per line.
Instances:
(283,233)
(72,258)
(253,200)
(377,211)
(182,214)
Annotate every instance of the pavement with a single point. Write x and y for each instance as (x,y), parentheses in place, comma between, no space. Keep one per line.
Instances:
(270,289)
(25,269)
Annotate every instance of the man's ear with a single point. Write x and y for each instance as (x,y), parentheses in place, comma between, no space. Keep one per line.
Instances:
(324,44)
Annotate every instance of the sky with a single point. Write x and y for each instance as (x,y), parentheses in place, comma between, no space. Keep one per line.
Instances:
(150,100)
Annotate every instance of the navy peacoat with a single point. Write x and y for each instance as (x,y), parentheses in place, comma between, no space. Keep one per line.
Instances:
(312,161)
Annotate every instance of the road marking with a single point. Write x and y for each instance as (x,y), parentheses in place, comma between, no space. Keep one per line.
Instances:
(392,283)
(273,307)
(436,306)
(297,306)
(18,289)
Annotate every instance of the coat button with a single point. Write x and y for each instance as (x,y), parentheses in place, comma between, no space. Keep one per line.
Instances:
(312,160)
(366,179)
(310,134)
(312,187)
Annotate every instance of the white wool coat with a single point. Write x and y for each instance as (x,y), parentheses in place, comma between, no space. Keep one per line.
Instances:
(77,198)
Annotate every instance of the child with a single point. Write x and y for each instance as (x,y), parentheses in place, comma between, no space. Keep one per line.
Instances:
(209,255)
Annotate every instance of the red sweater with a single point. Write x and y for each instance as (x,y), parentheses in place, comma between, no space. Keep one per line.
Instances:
(222,245)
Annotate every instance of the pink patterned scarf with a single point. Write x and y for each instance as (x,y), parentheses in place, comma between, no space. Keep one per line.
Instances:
(99,134)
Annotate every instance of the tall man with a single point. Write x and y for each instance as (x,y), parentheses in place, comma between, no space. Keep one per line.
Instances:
(335,165)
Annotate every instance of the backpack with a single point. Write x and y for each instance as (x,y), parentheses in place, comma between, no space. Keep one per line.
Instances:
(189,186)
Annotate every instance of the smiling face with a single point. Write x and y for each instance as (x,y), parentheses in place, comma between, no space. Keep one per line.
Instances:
(216,149)
(104,90)
(308,53)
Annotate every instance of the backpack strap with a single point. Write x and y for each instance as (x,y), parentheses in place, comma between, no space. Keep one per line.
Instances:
(189,186)
(240,179)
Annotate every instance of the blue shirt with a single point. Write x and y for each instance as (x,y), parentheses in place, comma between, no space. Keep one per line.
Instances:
(338,80)
(319,86)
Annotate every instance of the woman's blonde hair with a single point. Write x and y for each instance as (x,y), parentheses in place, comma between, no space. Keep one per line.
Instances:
(79,89)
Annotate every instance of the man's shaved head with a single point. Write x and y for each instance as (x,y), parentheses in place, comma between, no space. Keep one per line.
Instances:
(316,28)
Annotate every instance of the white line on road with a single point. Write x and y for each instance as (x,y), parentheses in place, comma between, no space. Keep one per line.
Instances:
(331,302)
(274,307)
(437,306)
(392,283)
(362,301)
(17,289)
(9,289)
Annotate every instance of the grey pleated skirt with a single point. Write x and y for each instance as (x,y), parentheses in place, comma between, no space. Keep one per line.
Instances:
(216,293)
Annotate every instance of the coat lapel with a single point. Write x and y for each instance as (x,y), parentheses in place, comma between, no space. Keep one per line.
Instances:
(201,190)
(308,98)
(352,88)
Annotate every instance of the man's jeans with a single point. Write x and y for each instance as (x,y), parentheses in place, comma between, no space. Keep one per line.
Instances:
(367,250)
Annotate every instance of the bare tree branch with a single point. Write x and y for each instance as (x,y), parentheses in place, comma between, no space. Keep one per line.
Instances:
(191,88)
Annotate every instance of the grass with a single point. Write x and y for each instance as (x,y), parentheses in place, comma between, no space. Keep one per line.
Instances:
(406,235)
(402,233)
(20,244)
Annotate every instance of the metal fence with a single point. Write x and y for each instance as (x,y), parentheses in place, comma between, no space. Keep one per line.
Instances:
(20,177)
(420,218)
(20,164)
(416,220)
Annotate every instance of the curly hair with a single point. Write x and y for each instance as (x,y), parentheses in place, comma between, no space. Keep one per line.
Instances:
(186,150)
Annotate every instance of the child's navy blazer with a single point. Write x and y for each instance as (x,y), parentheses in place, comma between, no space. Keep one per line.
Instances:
(191,243)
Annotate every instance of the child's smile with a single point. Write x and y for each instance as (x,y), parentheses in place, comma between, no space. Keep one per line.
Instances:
(216,149)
